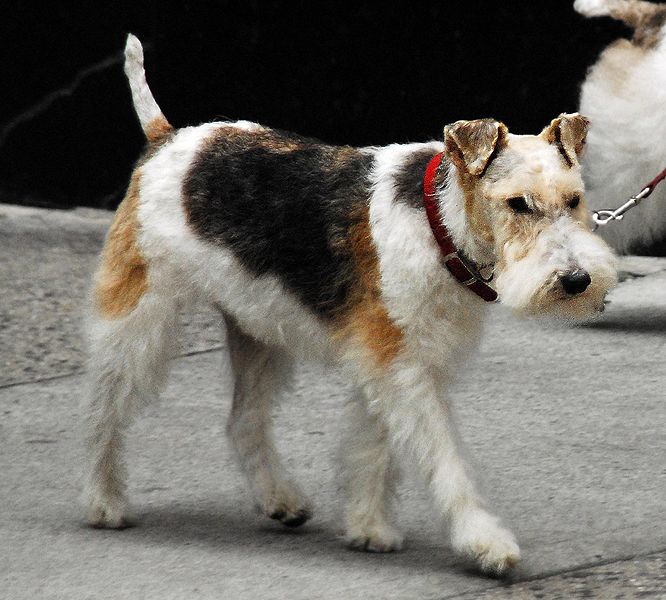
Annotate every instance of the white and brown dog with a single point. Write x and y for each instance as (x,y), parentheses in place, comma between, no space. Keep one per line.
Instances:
(624,95)
(311,250)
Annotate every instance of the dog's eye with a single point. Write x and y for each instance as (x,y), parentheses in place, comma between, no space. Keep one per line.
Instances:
(574,202)
(519,204)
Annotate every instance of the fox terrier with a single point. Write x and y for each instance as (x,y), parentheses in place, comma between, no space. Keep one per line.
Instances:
(624,95)
(336,253)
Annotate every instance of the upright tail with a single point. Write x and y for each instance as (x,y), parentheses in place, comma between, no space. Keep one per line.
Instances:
(153,122)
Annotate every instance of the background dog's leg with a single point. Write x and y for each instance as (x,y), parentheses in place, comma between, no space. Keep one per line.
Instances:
(261,373)
(409,401)
(371,475)
(129,358)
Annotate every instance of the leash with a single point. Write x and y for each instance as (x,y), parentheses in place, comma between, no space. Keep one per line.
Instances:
(605,216)
(460,267)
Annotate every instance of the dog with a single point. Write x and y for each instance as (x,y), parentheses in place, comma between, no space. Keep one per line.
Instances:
(336,253)
(624,95)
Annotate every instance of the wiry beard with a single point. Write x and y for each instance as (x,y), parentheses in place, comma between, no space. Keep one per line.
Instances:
(531,284)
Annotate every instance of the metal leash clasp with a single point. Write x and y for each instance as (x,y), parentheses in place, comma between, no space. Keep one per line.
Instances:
(605,216)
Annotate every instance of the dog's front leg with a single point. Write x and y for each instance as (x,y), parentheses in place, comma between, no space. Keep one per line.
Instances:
(371,475)
(408,400)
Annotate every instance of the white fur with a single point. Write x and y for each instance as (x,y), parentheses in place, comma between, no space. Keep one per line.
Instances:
(418,292)
(626,144)
(202,268)
(452,209)
(144,103)
(441,322)
(560,248)
(404,407)
(371,478)
(402,410)
(592,8)
(128,365)
(129,355)
(260,373)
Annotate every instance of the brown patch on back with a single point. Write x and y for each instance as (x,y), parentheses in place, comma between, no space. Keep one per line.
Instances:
(121,279)
(365,318)
(276,144)
(260,137)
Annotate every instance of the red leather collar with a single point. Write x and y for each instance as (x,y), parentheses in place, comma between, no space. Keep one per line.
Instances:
(454,263)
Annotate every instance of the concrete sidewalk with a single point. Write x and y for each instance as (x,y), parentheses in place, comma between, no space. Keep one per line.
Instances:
(567,426)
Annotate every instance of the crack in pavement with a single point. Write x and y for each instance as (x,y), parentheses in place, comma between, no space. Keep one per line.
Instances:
(80,372)
(512,583)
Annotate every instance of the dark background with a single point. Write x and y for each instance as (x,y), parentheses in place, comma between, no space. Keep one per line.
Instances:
(359,73)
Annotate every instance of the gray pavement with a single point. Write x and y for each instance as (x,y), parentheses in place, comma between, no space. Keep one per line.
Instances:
(566,425)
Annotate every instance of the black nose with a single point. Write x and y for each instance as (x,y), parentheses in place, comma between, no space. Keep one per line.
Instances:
(575,282)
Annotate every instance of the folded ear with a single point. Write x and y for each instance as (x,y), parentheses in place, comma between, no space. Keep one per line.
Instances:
(471,145)
(568,133)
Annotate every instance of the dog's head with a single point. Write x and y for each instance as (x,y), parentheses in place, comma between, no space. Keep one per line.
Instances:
(524,204)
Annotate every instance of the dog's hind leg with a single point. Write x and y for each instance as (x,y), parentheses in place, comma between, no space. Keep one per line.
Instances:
(371,475)
(261,373)
(129,358)
(132,330)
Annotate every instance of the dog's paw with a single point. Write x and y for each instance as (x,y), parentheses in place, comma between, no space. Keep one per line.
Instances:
(477,535)
(288,505)
(374,537)
(290,517)
(592,8)
(109,513)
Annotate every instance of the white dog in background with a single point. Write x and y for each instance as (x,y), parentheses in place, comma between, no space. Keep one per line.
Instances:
(624,96)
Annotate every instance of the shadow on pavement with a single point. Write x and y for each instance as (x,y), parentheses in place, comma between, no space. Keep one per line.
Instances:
(227,529)
(640,320)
